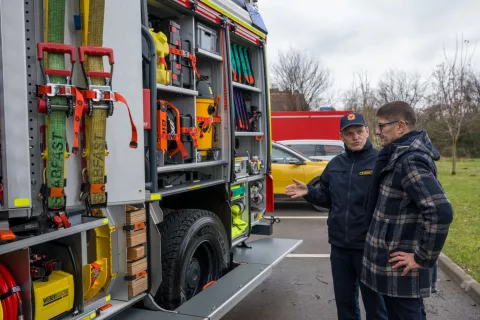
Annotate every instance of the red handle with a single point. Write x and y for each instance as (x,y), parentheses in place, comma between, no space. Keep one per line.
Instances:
(55,48)
(95,51)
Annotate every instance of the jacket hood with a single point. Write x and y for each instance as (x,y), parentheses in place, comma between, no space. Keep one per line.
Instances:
(414,141)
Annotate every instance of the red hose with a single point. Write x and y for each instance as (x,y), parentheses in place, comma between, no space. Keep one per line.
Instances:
(12,305)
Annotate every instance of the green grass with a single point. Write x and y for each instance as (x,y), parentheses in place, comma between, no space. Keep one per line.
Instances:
(463,190)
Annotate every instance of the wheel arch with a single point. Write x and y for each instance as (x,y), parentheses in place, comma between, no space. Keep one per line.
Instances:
(196,199)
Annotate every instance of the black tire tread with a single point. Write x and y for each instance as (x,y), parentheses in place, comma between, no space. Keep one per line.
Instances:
(173,229)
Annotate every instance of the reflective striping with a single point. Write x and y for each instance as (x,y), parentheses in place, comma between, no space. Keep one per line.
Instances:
(155,196)
(22,202)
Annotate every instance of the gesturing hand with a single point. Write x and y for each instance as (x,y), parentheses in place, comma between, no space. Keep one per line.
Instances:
(404,259)
(299,189)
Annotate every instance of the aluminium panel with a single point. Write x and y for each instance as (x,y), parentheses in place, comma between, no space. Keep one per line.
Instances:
(268,251)
(14,107)
(125,166)
(215,301)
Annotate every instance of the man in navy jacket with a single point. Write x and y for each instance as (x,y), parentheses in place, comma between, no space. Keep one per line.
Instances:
(343,189)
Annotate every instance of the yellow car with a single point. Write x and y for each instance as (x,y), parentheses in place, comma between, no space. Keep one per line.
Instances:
(289,164)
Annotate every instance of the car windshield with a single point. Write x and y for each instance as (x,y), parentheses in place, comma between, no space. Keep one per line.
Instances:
(315,150)
(333,150)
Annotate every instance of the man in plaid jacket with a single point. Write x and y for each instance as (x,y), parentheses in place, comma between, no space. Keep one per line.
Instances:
(411,215)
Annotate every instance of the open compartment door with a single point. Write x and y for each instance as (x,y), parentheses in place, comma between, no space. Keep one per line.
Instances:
(266,251)
(216,300)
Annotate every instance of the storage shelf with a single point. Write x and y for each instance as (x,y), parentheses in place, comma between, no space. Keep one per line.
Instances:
(208,54)
(118,306)
(177,90)
(91,306)
(189,166)
(248,134)
(34,240)
(245,87)
(190,186)
(250,178)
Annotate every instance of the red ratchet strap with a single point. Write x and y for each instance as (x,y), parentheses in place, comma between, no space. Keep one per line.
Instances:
(110,96)
(180,147)
(65,90)
(207,122)
(193,133)
(188,55)
(68,91)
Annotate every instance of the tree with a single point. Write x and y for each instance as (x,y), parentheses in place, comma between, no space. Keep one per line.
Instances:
(362,99)
(301,74)
(396,85)
(454,93)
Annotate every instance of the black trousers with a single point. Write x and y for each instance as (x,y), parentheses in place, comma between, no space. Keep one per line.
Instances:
(346,271)
(405,308)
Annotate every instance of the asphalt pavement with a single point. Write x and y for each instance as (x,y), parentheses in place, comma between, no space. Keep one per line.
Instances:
(301,285)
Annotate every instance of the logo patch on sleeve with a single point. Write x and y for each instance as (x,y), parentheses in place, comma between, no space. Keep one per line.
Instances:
(365,173)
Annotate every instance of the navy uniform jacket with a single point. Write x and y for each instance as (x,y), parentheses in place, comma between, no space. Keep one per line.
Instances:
(343,189)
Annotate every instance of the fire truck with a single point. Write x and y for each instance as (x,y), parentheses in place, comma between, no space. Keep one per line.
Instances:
(135,159)
(298,125)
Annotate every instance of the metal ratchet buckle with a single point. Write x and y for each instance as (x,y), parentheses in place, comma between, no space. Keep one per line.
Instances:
(55,90)
(101,95)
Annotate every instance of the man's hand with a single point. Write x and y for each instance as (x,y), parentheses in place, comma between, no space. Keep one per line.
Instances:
(404,259)
(297,190)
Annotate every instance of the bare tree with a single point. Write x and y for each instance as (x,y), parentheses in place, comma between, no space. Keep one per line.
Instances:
(396,85)
(302,74)
(454,92)
(361,98)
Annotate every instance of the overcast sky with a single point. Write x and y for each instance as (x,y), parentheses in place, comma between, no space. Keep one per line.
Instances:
(371,34)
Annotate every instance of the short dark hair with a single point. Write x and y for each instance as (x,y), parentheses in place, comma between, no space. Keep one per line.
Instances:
(398,110)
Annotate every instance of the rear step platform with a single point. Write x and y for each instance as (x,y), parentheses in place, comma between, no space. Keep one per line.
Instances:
(256,265)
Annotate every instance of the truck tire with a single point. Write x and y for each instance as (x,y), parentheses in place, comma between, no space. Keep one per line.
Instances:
(194,252)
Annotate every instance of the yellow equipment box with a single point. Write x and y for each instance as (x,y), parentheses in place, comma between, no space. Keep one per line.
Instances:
(54,296)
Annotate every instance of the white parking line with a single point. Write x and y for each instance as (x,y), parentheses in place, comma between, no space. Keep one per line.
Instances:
(308,255)
(301,217)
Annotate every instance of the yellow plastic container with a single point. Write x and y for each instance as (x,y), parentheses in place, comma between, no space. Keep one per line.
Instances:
(104,250)
(55,296)
(162,49)
(205,110)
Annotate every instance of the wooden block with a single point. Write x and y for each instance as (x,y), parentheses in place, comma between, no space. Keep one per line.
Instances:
(136,253)
(136,216)
(137,286)
(137,266)
(134,238)
(130,208)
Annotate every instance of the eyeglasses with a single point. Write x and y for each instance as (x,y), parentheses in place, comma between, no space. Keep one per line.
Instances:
(381,125)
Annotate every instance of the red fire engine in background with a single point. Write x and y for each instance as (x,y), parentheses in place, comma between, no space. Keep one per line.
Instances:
(294,125)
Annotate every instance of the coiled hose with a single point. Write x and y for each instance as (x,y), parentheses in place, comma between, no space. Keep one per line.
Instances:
(12,308)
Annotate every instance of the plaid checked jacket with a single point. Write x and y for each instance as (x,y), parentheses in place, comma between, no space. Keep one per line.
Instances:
(412,214)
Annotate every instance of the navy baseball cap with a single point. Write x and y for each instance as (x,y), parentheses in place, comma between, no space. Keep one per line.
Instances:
(352,119)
